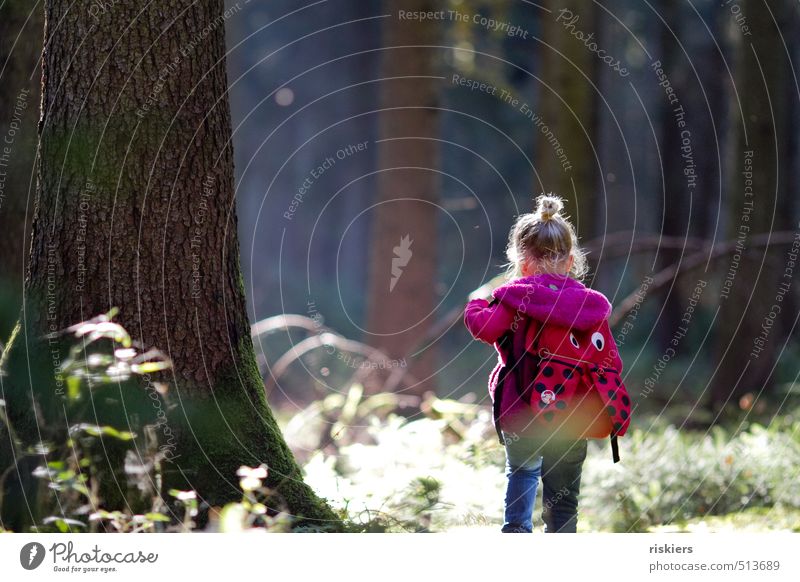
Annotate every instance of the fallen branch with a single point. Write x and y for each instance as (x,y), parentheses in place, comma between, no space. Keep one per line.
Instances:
(708,254)
(629,242)
(322,337)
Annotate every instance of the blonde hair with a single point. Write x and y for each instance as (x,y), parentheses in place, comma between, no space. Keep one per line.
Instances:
(547,237)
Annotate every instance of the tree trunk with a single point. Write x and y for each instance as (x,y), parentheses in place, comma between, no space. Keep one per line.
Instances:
(136,210)
(754,278)
(676,197)
(403,274)
(21,27)
(686,201)
(565,162)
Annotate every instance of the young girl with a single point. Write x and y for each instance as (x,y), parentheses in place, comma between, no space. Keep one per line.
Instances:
(546,265)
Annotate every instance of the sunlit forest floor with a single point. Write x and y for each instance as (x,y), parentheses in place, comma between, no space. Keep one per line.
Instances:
(748,520)
(443,471)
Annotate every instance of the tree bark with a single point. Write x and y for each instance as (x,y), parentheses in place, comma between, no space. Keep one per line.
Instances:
(21,28)
(760,134)
(136,210)
(403,273)
(686,201)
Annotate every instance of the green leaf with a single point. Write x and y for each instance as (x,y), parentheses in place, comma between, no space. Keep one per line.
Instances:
(149,367)
(101,514)
(65,475)
(82,489)
(96,431)
(63,523)
(41,472)
(157,517)
(73,387)
(232,518)
(183,496)
(104,329)
(98,360)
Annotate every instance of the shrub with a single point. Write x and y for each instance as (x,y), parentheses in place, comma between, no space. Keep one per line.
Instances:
(667,475)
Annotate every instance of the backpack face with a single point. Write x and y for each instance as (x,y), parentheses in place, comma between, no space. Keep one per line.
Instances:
(572,382)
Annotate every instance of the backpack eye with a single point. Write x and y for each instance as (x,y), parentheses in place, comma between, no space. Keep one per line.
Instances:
(598,341)
(573,341)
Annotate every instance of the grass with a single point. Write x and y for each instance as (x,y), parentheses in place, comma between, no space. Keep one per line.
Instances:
(756,520)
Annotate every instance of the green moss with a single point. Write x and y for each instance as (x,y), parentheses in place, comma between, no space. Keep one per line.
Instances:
(232,427)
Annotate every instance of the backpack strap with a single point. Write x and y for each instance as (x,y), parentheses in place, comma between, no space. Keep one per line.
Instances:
(514,344)
(507,342)
(614,448)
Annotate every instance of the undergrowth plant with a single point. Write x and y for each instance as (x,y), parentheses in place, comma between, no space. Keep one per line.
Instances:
(95,452)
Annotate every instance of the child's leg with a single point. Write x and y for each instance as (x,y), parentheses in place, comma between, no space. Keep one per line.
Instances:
(561,480)
(523,467)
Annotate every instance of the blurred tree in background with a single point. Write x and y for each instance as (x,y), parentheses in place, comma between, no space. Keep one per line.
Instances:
(758,202)
(401,296)
(567,103)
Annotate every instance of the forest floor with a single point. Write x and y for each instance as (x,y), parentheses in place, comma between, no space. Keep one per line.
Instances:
(757,520)
(754,520)
(437,474)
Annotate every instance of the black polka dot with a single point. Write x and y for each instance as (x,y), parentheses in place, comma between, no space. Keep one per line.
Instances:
(547,372)
(623,414)
(548,416)
(561,405)
(568,373)
(558,388)
(602,379)
(616,381)
(612,394)
(542,404)
(617,425)
(626,401)
(611,410)
(540,387)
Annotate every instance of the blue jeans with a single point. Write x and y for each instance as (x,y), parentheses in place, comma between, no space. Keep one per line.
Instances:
(559,464)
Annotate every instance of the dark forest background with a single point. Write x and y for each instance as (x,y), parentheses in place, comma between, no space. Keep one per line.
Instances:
(302,88)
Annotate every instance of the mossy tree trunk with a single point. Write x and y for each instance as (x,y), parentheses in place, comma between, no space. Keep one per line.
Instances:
(403,272)
(564,157)
(136,210)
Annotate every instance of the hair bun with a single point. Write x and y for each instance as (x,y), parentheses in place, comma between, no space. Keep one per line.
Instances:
(548,206)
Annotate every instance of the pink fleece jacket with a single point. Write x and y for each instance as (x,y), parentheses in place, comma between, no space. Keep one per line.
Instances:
(548,298)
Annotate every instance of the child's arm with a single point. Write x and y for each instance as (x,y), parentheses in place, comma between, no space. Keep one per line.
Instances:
(487,322)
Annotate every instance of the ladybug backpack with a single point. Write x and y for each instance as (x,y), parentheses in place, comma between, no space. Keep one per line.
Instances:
(569,378)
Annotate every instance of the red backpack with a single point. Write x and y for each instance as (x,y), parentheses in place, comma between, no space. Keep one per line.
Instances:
(569,378)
